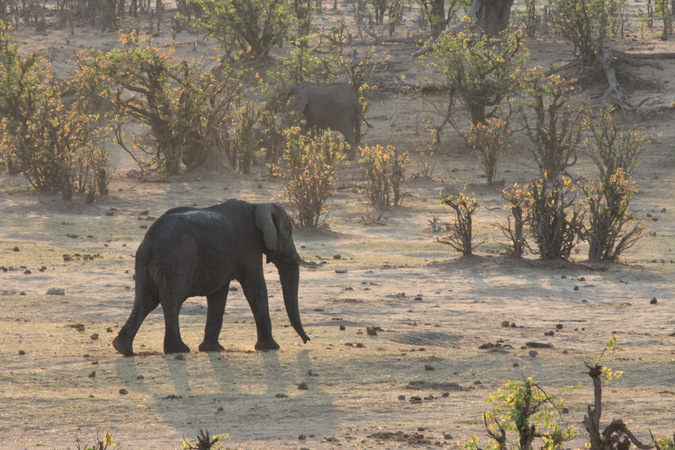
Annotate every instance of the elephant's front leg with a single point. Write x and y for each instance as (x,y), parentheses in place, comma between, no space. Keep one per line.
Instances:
(255,291)
(214,320)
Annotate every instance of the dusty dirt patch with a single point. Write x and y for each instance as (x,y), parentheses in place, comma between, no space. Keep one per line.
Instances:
(441,347)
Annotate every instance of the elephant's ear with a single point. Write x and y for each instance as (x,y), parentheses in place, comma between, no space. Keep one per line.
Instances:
(264,222)
(300,100)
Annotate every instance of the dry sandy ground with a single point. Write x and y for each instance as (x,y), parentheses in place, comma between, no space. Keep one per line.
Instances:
(62,380)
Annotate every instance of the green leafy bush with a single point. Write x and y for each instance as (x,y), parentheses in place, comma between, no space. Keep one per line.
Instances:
(480,71)
(250,27)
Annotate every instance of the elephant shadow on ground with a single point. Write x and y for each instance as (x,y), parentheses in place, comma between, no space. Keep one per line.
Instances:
(250,395)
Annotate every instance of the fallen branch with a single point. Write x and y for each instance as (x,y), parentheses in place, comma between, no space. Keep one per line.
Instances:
(605,58)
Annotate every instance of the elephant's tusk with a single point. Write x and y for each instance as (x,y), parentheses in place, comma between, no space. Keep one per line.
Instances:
(309,265)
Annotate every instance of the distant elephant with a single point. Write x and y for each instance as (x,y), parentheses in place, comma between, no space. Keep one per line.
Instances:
(197,252)
(331,106)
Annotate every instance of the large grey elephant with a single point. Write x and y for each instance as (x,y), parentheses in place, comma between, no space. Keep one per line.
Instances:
(197,252)
(331,106)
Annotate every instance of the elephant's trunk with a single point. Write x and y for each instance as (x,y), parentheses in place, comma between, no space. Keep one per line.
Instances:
(289,274)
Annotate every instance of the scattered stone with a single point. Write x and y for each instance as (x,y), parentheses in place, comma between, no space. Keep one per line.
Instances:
(108,330)
(513,325)
(340,270)
(22,352)
(559,326)
(429,367)
(563,276)
(56,291)
(506,324)
(281,396)
(653,301)
(538,345)
(337,256)
(415,399)
(140,378)
(401,397)
(27,272)
(302,437)
(549,333)
(179,357)
(582,278)
(92,374)
(533,353)
(433,385)
(342,328)
(94,336)
(515,364)
(371,331)
(123,391)
(576,288)
(77,326)
(303,386)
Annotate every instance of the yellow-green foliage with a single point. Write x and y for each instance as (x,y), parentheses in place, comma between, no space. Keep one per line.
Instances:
(553,125)
(185,109)
(383,172)
(310,167)
(250,27)
(587,24)
(54,145)
(487,140)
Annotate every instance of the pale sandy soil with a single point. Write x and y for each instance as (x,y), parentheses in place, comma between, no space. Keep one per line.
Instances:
(435,309)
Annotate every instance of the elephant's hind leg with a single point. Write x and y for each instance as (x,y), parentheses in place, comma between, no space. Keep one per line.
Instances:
(144,303)
(173,343)
(214,320)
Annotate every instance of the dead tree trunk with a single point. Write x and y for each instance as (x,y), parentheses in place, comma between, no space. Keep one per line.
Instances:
(490,16)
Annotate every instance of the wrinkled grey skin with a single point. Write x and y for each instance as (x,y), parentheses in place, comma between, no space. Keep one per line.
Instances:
(331,106)
(197,252)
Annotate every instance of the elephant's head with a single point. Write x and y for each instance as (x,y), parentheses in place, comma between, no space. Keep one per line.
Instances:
(299,98)
(277,231)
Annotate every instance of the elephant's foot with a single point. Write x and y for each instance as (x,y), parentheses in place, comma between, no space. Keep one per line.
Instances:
(123,346)
(179,347)
(271,344)
(211,347)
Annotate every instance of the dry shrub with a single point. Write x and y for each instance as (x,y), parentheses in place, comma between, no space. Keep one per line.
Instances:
(487,140)
(461,231)
(555,217)
(383,171)
(310,166)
